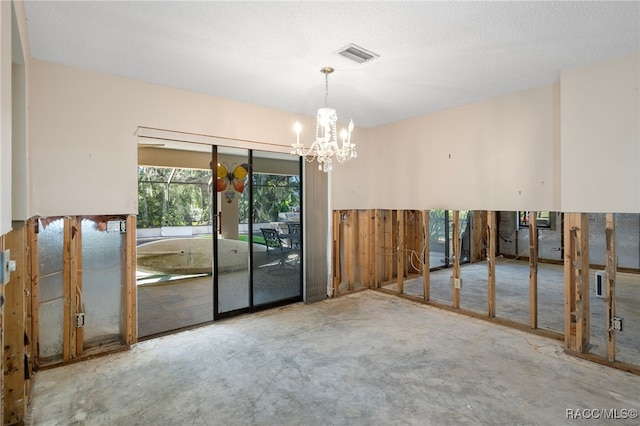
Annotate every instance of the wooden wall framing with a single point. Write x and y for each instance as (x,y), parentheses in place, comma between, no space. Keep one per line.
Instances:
(610,289)
(426,258)
(17,318)
(492,245)
(379,248)
(130,303)
(533,271)
(576,276)
(73,339)
(376,248)
(3,327)
(455,273)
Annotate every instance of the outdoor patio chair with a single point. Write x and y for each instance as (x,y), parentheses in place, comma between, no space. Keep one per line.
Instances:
(275,246)
(295,230)
(272,240)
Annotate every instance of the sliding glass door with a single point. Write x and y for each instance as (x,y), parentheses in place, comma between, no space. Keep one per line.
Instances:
(174,236)
(259,243)
(219,233)
(277,229)
(231,242)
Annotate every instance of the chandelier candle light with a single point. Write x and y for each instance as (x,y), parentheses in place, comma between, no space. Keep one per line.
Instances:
(325,147)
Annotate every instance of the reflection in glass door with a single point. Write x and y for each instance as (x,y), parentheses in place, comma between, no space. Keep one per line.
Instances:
(231,242)
(258,203)
(174,237)
(277,229)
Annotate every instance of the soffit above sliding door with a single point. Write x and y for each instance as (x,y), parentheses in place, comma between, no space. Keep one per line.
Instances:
(169,137)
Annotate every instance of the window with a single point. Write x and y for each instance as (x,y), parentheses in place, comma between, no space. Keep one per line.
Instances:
(544,219)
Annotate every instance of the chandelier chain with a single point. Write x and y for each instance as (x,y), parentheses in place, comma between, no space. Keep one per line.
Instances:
(326,89)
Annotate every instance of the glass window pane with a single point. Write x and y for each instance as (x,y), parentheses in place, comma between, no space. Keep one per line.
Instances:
(175,248)
(277,250)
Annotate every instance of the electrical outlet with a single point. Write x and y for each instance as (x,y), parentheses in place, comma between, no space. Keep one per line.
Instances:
(79,320)
(457,282)
(616,323)
(6,266)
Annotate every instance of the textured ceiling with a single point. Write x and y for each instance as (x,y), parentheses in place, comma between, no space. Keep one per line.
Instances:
(433,55)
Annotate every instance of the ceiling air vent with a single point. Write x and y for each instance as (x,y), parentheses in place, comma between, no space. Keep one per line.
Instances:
(357,53)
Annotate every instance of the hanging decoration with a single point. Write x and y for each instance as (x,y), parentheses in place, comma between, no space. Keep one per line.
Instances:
(231,182)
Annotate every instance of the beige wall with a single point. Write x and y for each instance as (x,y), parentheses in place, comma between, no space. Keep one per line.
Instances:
(499,154)
(350,182)
(14,65)
(20,132)
(82,133)
(5,117)
(601,137)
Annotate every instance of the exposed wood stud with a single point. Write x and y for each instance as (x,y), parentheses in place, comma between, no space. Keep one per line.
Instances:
(377,249)
(2,366)
(491,264)
(77,290)
(73,255)
(415,241)
(362,236)
(610,290)
(28,306)
(426,266)
(533,270)
(337,238)
(400,258)
(350,233)
(569,283)
(578,308)
(130,293)
(66,290)
(371,249)
(455,233)
(14,328)
(478,236)
(35,288)
(388,246)
(576,275)
(584,280)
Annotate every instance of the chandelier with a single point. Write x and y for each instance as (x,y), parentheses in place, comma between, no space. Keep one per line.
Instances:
(325,148)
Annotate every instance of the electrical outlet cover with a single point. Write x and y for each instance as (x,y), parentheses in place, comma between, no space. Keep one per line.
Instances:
(616,323)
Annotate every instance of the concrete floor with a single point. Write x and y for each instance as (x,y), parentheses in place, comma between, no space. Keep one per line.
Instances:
(363,359)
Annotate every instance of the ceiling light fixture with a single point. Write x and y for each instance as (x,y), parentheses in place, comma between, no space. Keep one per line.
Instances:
(326,147)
